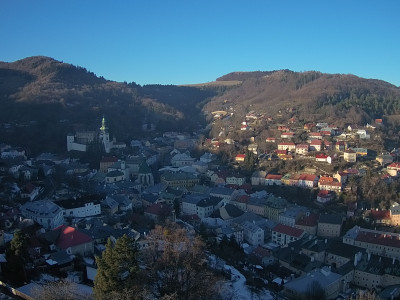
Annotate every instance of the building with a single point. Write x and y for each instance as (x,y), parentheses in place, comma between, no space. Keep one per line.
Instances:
(287,146)
(253,234)
(44,212)
(350,156)
(393,169)
(329,225)
(308,180)
(377,242)
(70,239)
(283,234)
(240,157)
(273,179)
(292,214)
(274,206)
(179,179)
(330,282)
(81,207)
(302,149)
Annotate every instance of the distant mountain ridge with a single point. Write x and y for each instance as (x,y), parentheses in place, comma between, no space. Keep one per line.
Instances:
(58,97)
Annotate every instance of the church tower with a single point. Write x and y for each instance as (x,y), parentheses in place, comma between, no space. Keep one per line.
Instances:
(104,136)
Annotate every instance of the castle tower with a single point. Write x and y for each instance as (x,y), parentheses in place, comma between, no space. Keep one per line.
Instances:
(104,136)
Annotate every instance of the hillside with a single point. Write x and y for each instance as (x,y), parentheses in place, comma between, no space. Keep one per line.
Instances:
(42,99)
(46,98)
(312,95)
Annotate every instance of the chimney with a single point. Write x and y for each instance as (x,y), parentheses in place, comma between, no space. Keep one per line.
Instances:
(393,260)
(355,260)
(369,256)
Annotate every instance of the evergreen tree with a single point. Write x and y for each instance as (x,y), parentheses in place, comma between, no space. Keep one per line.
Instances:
(17,256)
(117,268)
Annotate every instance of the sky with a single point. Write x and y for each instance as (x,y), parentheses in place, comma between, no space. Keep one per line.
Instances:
(185,42)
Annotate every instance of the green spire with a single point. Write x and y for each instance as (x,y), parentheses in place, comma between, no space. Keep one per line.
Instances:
(103,124)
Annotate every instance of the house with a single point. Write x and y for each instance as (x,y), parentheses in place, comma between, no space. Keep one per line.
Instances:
(179,179)
(274,206)
(206,206)
(258,178)
(182,159)
(287,135)
(316,145)
(325,196)
(360,151)
(287,146)
(283,234)
(224,193)
(256,205)
(308,180)
(82,207)
(393,169)
(329,225)
(315,136)
(292,214)
(235,179)
(70,239)
(350,156)
(377,242)
(253,148)
(109,205)
(240,157)
(106,162)
(160,212)
(308,223)
(30,191)
(253,234)
(395,214)
(273,179)
(114,176)
(330,282)
(262,256)
(330,185)
(341,146)
(302,149)
(270,140)
(44,212)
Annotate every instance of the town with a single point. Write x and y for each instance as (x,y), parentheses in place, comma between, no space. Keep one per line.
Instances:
(303,207)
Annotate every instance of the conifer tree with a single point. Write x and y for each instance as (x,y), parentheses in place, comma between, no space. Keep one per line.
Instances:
(117,268)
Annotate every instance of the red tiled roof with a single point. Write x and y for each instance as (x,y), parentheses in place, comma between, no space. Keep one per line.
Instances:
(316,142)
(241,156)
(70,237)
(307,177)
(379,239)
(310,220)
(321,156)
(261,252)
(304,146)
(314,134)
(326,178)
(243,199)
(394,165)
(287,144)
(380,214)
(288,230)
(274,176)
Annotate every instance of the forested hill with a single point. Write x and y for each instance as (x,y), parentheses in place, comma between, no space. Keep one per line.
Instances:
(46,98)
(313,95)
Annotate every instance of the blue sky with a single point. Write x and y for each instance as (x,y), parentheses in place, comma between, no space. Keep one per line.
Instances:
(180,42)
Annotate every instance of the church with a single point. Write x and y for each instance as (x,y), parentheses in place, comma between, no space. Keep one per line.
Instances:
(81,139)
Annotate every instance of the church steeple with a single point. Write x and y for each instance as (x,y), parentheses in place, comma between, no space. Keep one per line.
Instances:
(103,127)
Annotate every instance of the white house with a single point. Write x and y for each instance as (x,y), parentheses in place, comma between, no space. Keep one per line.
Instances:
(283,234)
(253,234)
(80,208)
(44,212)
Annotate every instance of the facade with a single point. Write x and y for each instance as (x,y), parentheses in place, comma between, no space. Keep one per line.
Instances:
(350,156)
(273,179)
(329,225)
(274,206)
(308,180)
(179,179)
(283,234)
(80,208)
(73,241)
(302,149)
(377,242)
(253,234)
(287,146)
(44,212)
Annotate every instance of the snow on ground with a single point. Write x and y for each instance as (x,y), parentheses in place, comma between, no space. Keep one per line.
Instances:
(236,289)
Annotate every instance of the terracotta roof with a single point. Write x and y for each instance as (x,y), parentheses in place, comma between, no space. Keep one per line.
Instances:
(274,176)
(310,220)
(304,146)
(307,177)
(378,238)
(243,199)
(394,166)
(288,230)
(321,156)
(287,144)
(380,214)
(241,156)
(326,178)
(70,237)
(314,134)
